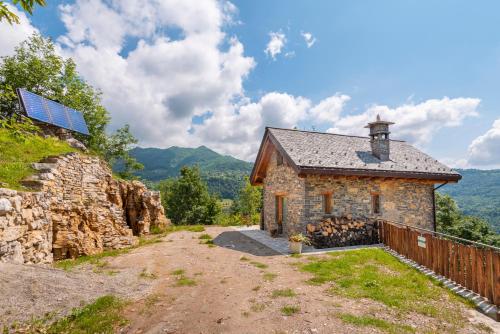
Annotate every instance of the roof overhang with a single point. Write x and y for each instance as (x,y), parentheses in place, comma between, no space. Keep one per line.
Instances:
(269,142)
(306,170)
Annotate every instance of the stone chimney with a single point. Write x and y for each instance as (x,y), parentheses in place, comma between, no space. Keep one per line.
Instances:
(379,138)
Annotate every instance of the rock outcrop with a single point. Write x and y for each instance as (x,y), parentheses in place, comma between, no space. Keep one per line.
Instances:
(78,209)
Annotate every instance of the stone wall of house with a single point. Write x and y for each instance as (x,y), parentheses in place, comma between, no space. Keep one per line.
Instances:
(282,180)
(78,209)
(405,201)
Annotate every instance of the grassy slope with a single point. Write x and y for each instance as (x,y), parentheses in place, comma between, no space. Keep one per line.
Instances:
(16,156)
(376,275)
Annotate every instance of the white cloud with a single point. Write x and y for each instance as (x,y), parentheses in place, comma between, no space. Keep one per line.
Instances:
(484,151)
(167,78)
(12,35)
(416,123)
(276,43)
(328,110)
(308,38)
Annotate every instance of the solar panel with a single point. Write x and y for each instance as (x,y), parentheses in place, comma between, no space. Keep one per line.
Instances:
(51,112)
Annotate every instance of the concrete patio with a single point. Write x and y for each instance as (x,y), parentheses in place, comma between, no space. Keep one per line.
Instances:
(280,244)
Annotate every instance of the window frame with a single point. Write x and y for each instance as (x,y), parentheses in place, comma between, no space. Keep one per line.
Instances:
(376,203)
(279,159)
(327,203)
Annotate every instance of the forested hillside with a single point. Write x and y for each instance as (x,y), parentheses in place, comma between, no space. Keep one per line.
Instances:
(478,194)
(223,174)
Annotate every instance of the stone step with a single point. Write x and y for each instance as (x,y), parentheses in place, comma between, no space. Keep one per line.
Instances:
(32,183)
(43,166)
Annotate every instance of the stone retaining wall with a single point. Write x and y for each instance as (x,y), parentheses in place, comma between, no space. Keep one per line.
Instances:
(78,209)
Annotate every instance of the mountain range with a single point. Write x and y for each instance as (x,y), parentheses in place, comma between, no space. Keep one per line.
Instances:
(477,194)
(223,174)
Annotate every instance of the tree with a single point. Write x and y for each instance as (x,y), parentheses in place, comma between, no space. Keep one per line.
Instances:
(450,220)
(188,201)
(249,202)
(27,5)
(117,147)
(37,67)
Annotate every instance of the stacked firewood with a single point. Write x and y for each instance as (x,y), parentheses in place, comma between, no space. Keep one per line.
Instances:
(342,231)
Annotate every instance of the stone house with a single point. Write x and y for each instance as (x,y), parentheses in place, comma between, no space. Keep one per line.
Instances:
(310,176)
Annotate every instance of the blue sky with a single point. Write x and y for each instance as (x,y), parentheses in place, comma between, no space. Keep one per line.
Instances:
(400,57)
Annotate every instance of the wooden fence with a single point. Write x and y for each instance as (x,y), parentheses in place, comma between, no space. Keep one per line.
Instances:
(474,266)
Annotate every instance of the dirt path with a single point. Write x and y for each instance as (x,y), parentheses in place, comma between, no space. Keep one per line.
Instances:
(232,295)
(183,286)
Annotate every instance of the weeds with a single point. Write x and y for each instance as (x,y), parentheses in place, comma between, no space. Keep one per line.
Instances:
(148,275)
(289,310)
(269,277)
(259,265)
(182,279)
(283,293)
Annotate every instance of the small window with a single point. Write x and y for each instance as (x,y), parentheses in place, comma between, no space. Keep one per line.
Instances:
(327,203)
(279,159)
(376,203)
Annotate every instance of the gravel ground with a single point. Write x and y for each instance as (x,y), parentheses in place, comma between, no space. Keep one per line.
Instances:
(31,291)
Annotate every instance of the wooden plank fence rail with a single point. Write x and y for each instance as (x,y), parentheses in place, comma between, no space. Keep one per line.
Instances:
(472,265)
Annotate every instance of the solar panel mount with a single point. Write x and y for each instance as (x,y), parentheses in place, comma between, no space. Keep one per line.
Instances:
(47,111)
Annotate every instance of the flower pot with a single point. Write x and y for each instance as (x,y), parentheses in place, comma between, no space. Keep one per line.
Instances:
(295,247)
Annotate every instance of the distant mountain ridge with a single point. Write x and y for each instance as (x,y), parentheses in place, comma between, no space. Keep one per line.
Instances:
(478,194)
(224,174)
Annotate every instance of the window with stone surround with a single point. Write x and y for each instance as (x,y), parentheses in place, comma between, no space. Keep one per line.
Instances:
(327,203)
(376,203)
(279,159)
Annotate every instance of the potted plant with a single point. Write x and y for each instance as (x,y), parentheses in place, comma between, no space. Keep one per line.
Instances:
(295,242)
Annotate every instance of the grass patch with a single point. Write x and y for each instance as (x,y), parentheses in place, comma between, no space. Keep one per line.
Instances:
(244,259)
(283,293)
(19,153)
(147,275)
(256,288)
(289,310)
(205,236)
(257,307)
(178,272)
(295,255)
(259,265)
(377,275)
(102,316)
(369,321)
(96,259)
(269,276)
(182,279)
(185,281)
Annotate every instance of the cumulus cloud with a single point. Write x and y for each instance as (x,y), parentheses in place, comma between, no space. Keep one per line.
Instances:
(328,110)
(308,38)
(167,78)
(12,35)
(416,123)
(484,151)
(277,41)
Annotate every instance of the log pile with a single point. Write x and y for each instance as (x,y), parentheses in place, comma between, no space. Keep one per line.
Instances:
(342,231)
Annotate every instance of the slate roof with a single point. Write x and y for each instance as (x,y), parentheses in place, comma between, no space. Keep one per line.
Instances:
(318,151)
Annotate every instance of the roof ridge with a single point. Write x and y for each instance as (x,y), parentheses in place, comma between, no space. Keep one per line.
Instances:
(328,133)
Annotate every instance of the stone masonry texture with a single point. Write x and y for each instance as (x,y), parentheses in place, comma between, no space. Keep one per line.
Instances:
(401,200)
(78,209)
